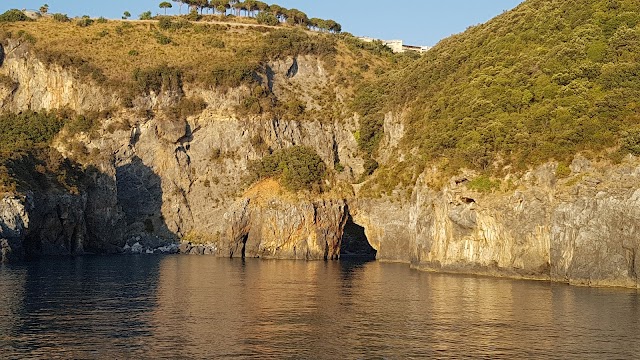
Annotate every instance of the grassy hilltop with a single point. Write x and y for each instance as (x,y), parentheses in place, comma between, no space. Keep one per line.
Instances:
(206,53)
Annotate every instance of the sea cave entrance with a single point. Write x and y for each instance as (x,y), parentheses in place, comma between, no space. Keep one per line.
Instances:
(354,244)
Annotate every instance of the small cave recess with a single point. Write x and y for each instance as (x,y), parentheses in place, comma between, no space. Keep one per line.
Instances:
(354,244)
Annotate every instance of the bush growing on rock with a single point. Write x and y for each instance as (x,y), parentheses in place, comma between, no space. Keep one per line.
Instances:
(232,75)
(157,79)
(298,168)
(483,184)
(187,107)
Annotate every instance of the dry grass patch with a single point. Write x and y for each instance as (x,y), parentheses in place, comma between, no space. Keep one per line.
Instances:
(117,48)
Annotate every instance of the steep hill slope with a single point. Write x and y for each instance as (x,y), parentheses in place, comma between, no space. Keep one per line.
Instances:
(542,82)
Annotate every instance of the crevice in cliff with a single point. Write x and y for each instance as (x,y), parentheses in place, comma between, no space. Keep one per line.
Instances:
(293,69)
(354,243)
(1,54)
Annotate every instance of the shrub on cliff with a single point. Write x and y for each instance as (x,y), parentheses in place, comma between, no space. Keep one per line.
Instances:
(283,43)
(187,107)
(26,130)
(25,160)
(228,75)
(297,168)
(14,15)
(157,79)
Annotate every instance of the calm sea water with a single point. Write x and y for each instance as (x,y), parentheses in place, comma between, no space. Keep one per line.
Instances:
(150,307)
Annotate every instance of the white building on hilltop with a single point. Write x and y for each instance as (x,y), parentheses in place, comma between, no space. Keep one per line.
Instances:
(398,46)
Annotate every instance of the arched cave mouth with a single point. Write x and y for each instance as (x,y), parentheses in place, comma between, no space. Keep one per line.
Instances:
(354,244)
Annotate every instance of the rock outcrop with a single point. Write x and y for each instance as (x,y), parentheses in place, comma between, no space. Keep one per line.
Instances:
(42,224)
(14,219)
(580,230)
(270,224)
(38,86)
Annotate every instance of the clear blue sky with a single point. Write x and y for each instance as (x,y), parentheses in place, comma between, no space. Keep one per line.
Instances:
(417,22)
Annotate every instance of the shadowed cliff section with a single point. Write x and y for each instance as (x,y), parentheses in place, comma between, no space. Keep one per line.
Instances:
(64,209)
(139,194)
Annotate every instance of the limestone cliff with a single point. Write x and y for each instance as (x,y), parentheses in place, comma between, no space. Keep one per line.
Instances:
(580,230)
(153,180)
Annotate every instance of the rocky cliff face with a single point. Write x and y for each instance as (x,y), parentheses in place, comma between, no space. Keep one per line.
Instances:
(580,230)
(14,219)
(39,224)
(153,181)
(39,86)
(269,223)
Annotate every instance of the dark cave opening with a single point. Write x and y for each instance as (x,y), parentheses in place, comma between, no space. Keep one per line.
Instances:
(244,246)
(354,244)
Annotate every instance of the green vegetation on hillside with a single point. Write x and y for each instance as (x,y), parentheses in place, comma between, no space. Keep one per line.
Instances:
(14,15)
(19,132)
(297,168)
(26,161)
(544,81)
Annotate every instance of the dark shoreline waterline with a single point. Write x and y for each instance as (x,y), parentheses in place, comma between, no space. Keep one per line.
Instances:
(475,271)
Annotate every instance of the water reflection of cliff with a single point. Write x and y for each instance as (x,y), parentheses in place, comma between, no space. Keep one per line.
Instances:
(12,282)
(326,309)
(87,307)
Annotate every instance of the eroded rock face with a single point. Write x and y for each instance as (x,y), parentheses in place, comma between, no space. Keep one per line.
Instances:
(582,230)
(272,225)
(39,86)
(14,219)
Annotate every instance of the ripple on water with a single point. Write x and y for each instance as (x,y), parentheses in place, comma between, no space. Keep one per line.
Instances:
(203,307)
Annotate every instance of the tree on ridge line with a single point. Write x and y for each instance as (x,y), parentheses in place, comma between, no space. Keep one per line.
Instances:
(165,5)
(254,8)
